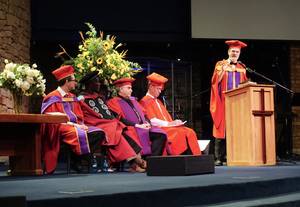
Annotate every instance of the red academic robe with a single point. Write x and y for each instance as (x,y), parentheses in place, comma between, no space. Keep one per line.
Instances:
(232,77)
(53,134)
(178,136)
(118,147)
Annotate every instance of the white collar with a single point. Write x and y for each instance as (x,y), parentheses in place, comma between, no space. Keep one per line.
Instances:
(61,91)
(148,94)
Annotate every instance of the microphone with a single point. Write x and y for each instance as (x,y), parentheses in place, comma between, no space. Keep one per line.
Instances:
(165,101)
(244,66)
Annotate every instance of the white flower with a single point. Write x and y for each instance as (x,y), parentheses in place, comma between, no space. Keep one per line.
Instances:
(19,68)
(30,80)
(18,83)
(43,87)
(31,72)
(22,79)
(10,75)
(5,61)
(36,73)
(25,86)
(10,66)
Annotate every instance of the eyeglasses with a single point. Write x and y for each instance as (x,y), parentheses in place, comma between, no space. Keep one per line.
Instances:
(72,80)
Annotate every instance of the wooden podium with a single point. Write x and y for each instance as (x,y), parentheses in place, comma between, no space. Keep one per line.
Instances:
(250,130)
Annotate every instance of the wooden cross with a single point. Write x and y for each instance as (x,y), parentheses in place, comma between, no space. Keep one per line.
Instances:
(263,114)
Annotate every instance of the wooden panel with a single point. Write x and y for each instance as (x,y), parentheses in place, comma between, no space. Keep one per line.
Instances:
(21,140)
(237,108)
(244,129)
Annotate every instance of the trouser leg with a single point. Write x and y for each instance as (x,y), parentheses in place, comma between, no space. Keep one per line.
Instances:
(220,150)
(98,152)
(158,143)
(137,149)
(95,141)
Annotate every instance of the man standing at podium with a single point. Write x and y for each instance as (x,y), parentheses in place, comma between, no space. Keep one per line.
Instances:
(228,74)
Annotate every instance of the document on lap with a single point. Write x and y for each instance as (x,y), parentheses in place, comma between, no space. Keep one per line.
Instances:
(55,113)
(175,124)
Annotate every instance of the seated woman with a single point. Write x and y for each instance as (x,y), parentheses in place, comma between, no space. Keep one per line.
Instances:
(120,147)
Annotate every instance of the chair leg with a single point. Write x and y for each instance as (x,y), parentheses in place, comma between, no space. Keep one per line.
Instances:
(68,161)
(120,166)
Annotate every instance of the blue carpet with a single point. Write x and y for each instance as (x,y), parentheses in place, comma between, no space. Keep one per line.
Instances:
(227,184)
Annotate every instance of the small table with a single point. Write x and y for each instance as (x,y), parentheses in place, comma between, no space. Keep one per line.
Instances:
(20,139)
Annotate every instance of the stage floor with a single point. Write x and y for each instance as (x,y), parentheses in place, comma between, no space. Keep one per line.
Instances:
(243,182)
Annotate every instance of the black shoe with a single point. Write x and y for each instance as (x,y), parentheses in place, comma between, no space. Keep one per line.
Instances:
(218,163)
(76,167)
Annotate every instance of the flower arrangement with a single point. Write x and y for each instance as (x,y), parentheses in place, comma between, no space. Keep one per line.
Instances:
(97,53)
(22,80)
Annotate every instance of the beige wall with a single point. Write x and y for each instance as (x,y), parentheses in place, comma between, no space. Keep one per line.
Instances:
(15,34)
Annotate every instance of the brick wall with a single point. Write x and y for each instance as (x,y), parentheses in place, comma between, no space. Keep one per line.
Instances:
(295,86)
(15,34)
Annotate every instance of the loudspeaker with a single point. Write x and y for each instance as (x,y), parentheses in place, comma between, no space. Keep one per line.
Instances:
(180,165)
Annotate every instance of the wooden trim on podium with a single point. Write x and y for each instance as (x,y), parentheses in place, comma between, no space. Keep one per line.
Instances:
(33,118)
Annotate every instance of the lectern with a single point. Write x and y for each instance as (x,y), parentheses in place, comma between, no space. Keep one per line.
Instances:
(250,130)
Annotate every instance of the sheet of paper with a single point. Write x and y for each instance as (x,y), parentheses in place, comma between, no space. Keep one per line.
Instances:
(55,113)
(203,144)
(175,125)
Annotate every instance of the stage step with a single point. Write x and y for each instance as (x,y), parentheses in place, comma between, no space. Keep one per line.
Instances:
(282,200)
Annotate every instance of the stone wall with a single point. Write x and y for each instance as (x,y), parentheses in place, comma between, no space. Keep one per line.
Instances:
(15,34)
(295,86)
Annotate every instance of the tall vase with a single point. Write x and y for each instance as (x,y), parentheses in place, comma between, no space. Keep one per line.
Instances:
(18,103)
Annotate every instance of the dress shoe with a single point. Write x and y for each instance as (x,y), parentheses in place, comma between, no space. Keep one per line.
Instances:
(77,167)
(218,163)
(136,168)
(141,163)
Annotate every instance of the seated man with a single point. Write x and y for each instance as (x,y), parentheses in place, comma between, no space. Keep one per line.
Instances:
(119,145)
(181,139)
(82,140)
(129,111)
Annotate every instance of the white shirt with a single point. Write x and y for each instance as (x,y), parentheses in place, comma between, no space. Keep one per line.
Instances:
(61,91)
(155,121)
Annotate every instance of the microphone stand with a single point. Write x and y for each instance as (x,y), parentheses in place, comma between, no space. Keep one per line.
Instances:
(268,79)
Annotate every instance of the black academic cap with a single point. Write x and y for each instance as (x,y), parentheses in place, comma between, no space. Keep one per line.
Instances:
(88,77)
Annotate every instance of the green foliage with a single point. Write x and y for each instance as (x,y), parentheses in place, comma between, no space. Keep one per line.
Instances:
(100,54)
